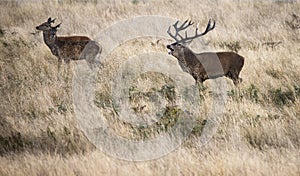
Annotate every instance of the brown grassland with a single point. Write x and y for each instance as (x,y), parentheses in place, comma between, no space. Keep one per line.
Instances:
(259,133)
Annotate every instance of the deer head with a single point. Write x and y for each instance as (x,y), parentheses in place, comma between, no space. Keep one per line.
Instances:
(46,26)
(49,34)
(177,48)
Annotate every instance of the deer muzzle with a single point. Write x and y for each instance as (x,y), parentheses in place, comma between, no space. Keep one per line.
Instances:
(171,49)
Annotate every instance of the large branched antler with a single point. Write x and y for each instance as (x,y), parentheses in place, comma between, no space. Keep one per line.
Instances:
(184,26)
(187,23)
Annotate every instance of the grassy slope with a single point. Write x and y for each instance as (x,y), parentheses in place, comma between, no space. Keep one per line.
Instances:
(259,134)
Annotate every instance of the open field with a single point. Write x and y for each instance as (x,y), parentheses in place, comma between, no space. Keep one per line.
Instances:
(259,133)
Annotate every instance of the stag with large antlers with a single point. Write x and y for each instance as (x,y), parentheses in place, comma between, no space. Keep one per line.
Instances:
(203,66)
(70,47)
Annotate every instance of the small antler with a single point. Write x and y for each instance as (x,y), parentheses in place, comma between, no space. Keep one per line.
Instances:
(57,26)
(179,39)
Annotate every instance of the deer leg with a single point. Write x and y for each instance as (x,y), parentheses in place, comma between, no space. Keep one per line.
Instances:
(67,62)
(235,78)
(59,64)
(237,74)
(240,80)
(199,82)
(229,75)
(200,85)
(59,67)
(235,82)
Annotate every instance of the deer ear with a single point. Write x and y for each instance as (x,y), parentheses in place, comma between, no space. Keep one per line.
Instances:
(51,20)
(57,26)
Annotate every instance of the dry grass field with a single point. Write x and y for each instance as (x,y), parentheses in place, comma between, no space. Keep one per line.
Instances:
(259,133)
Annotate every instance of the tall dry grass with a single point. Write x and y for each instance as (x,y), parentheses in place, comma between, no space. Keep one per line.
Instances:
(259,134)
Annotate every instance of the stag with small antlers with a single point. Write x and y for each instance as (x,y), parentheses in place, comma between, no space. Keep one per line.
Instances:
(203,66)
(70,47)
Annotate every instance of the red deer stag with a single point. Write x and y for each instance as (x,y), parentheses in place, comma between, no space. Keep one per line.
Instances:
(70,47)
(203,66)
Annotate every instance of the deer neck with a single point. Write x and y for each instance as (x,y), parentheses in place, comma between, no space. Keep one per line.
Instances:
(185,60)
(186,56)
(50,42)
(189,56)
(182,60)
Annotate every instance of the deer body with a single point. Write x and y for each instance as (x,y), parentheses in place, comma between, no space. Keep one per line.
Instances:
(69,47)
(206,65)
(72,48)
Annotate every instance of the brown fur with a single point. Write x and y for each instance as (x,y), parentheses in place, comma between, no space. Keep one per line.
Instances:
(76,47)
(208,65)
